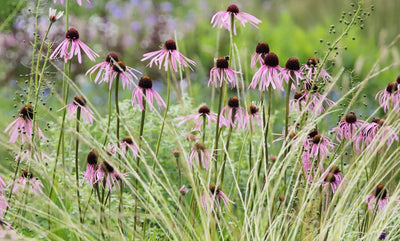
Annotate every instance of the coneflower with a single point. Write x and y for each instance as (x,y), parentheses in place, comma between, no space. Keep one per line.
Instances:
(145,90)
(123,72)
(261,50)
(222,73)
(389,97)
(311,69)
(77,1)
(127,143)
(333,178)
(103,69)
(348,127)
(268,75)
(292,72)
(79,104)
(225,19)
(319,146)
(54,15)
(203,114)
(31,153)
(92,167)
(108,175)
(215,195)
(252,114)
(233,115)
(200,154)
(71,46)
(35,184)
(378,199)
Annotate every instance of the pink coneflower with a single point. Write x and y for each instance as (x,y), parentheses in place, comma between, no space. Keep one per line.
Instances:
(78,1)
(125,73)
(79,104)
(222,73)
(319,146)
(27,155)
(261,50)
(378,199)
(23,126)
(54,16)
(389,96)
(215,194)
(127,143)
(2,186)
(3,204)
(34,183)
(168,56)
(233,115)
(311,69)
(299,101)
(183,190)
(292,72)
(282,136)
(224,18)
(108,175)
(268,74)
(199,153)
(252,114)
(92,167)
(145,90)
(316,101)
(104,69)
(199,117)
(333,178)
(348,127)
(72,46)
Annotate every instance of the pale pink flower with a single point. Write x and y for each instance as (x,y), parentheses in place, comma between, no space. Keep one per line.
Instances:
(72,46)
(199,118)
(92,167)
(317,101)
(54,16)
(23,126)
(222,73)
(282,136)
(268,74)
(215,195)
(27,155)
(127,143)
(145,90)
(124,73)
(199,153)
(79,104)
(299,101)
(252,114)
(3,205)
(2,186)
(311,69)
(333,178)
(261,50)
(348,127)
(78,1)
(168,56)
(389,97)
(233,114)
(224,18)
(34,183)
(378,199)
(183,190)
(311,165)
(108,175)
(319,146)
(292,72)
(103,69)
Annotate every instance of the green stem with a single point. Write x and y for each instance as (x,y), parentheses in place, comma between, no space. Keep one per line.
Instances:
(287,114)
(204,128)
(165,113)
(109,117)
(13,183)
(78,117)
(117,107)
(217,134)
(227,146)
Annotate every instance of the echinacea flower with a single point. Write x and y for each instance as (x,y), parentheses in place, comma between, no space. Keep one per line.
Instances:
(183,190)
(233,114)
(225,19)
(23,126)
(72,46)
(77,1)
(268,74)
(261,50)
(91,167)
(199,118)
(298,102)
(348,127)
(199,153)
(292,72)
(378,199)
(143,91)
(316,101)
(389,97)
(126,144)
(27,155)
(333,178)
(252,114)
(222,73)
(311,69)
(104,69)
(168,56)
(79,104)
(319,146)
(35,184)
(124,73)
(215,195)
(54,15)
(108,175)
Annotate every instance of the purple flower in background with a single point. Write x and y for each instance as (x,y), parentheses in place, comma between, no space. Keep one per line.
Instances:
(333,178)
(311,69)
(252,114)
(168,56)
(26,155)
(124,72)
(233,115)
(319,146)
(261,50)
(72,46)
(378,199)
(199,117)
(268,74)
(103,69)
(143,91)
(389,96)
(78,1)
(299,101)
(79,104)
(222,72)
(215,195)
(226,18)
(127,143)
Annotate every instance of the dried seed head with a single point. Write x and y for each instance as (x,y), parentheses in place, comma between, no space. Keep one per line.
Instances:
(145,82)
(128,140)
(26,173)
(222,63)
(376,120)
(204,110)
(110,57)
(233,102)
(334,169)
(380,191)
(80,100)
(313,61)
(292,64)
(392,87)
(253,109)
(92,158)
(381,122)
(72,34)
(271,60)
(170,45)
(176,153)
(313,133)
(26,112)
(199,146)
(298,95)
(351,118)
(292,135)
(262,48)
(317,139)
(233,9)
(106,167)
(281,198)
(214,189)
(191,137)
(272,158)
(330,178)
(119,67)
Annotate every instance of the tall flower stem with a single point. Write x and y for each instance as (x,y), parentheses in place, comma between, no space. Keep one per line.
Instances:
(287,113)
(137,165)
(204,128)
(117,108)
(109,118)
(227,145)
(13,183)
(217,133)
(78,117)
(165,113)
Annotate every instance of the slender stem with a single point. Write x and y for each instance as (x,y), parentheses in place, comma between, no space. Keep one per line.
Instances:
(109,117)
(117,107)
(217,133)
(204,127)
(88,202)
(13,183)
(250,142)
(78,117)
(179,172)
(287,113)
(227,145)
(165,113)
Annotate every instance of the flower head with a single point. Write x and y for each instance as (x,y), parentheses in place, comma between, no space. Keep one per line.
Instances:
(319,146)
(348,127)
(225,19)
(389,96)
(252,114)
(378,199)
(127,143)
(333,178)
(261,50)
(54,16)
(215,195)
(79,104)
(71,46)
(222,73)
(27,155)
(292,72)
(123,72)
(103,69)
(199,117)
(311,69)
(199,153)
(23,126)
(183,190)
(268,74)
(92,167)
(144,91)
(168,56)
(233,114)
(108,175)
(34,183)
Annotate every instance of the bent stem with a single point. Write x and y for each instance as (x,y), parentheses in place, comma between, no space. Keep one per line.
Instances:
(78,117)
